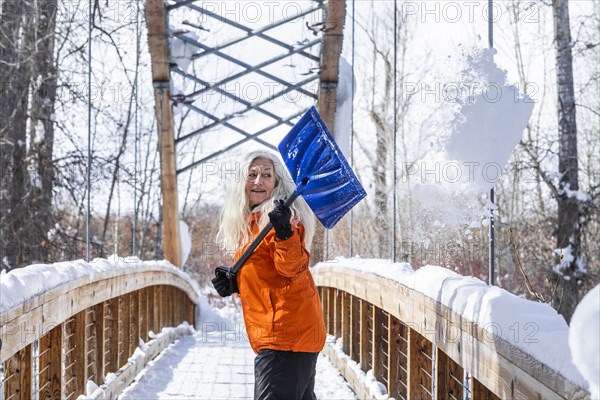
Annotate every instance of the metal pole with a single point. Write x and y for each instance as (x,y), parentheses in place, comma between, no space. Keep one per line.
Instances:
(136,140)
(89,134)
(491,227)
(351,222)
(395,109)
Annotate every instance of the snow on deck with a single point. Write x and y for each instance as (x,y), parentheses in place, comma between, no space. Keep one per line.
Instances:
(217,365)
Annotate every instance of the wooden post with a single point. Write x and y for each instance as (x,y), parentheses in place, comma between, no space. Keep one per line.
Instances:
(346,321)
(449,377)
(160,295)
(365,306)
(328,82)
(168,321)
(75,352)
(134,315)
(98,327)
(394,343)
(50,364)
(17,375)
(123,330)
(480,392)
(337,328)
(157,301)
(403,367)
(331,311)
(379,360)
(150,306)
(158,39)
(191,311)
(143,314)
(419,366)
(355,330)
(330,60)
(173,307)
(111,339)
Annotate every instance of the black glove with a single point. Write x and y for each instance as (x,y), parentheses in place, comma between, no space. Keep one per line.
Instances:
(225,282)
(280,218)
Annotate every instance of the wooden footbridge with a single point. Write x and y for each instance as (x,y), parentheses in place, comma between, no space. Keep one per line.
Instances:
(89,329)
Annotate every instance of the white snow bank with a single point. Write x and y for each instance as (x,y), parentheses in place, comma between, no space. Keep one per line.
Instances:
(20,285)
(533,327)
(584,339)
(342,124)
(185,242)
(181,50)
(376,389)
(211,320)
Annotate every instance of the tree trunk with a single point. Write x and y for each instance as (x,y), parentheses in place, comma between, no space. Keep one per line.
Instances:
(16,32)
(568,265)
(41,138)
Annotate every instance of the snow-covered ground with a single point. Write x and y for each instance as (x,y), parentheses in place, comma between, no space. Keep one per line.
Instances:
(217,365)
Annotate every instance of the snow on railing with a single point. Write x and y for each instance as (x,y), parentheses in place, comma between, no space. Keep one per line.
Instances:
(431,333)
(68,326)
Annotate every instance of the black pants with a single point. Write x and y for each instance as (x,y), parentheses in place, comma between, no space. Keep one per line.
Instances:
(284,375)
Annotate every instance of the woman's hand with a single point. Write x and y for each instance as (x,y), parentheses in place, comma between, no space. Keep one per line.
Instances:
(225,282)
(280,218)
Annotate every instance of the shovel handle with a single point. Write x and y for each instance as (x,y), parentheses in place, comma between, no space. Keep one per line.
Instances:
(244,257)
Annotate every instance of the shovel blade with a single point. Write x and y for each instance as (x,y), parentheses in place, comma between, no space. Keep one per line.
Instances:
(318,166)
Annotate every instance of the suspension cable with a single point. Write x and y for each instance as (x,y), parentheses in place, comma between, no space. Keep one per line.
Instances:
(394,157)
(351,222)
(136,132)
(491,225)
(89,133)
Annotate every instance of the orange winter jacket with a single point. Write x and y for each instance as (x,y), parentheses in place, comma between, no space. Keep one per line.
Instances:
(282,309)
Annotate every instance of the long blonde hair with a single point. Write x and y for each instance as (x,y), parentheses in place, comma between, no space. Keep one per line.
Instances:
(234,231)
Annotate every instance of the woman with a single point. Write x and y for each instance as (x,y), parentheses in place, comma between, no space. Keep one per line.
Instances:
(281,306)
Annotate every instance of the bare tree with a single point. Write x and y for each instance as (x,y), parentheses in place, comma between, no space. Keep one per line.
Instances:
(41,133)
(569,263)
(18,45)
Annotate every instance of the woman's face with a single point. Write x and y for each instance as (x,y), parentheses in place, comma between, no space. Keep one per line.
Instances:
(260,181)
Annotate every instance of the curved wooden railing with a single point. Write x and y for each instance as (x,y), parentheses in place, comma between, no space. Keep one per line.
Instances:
(420,349)
(84,330)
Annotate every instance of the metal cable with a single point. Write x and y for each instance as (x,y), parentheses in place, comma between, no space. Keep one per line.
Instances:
(136,133)
(351,221)
(89,136)
(394,157)
(491,227)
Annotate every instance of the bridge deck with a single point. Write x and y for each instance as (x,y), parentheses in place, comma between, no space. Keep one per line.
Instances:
(217,365)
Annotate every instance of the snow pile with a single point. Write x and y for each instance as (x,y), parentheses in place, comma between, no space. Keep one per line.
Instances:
(181,50)
(584,339)
(93,391)
(478,140)
(19,285)
(535,328)
(185,242)
(376,389)
(213,320)
(343,107)
(489,126)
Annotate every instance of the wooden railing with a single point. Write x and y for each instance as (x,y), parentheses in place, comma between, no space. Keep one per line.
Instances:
(53,343)
(420,349)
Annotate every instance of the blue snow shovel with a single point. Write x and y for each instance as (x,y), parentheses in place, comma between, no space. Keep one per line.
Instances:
(321,174)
